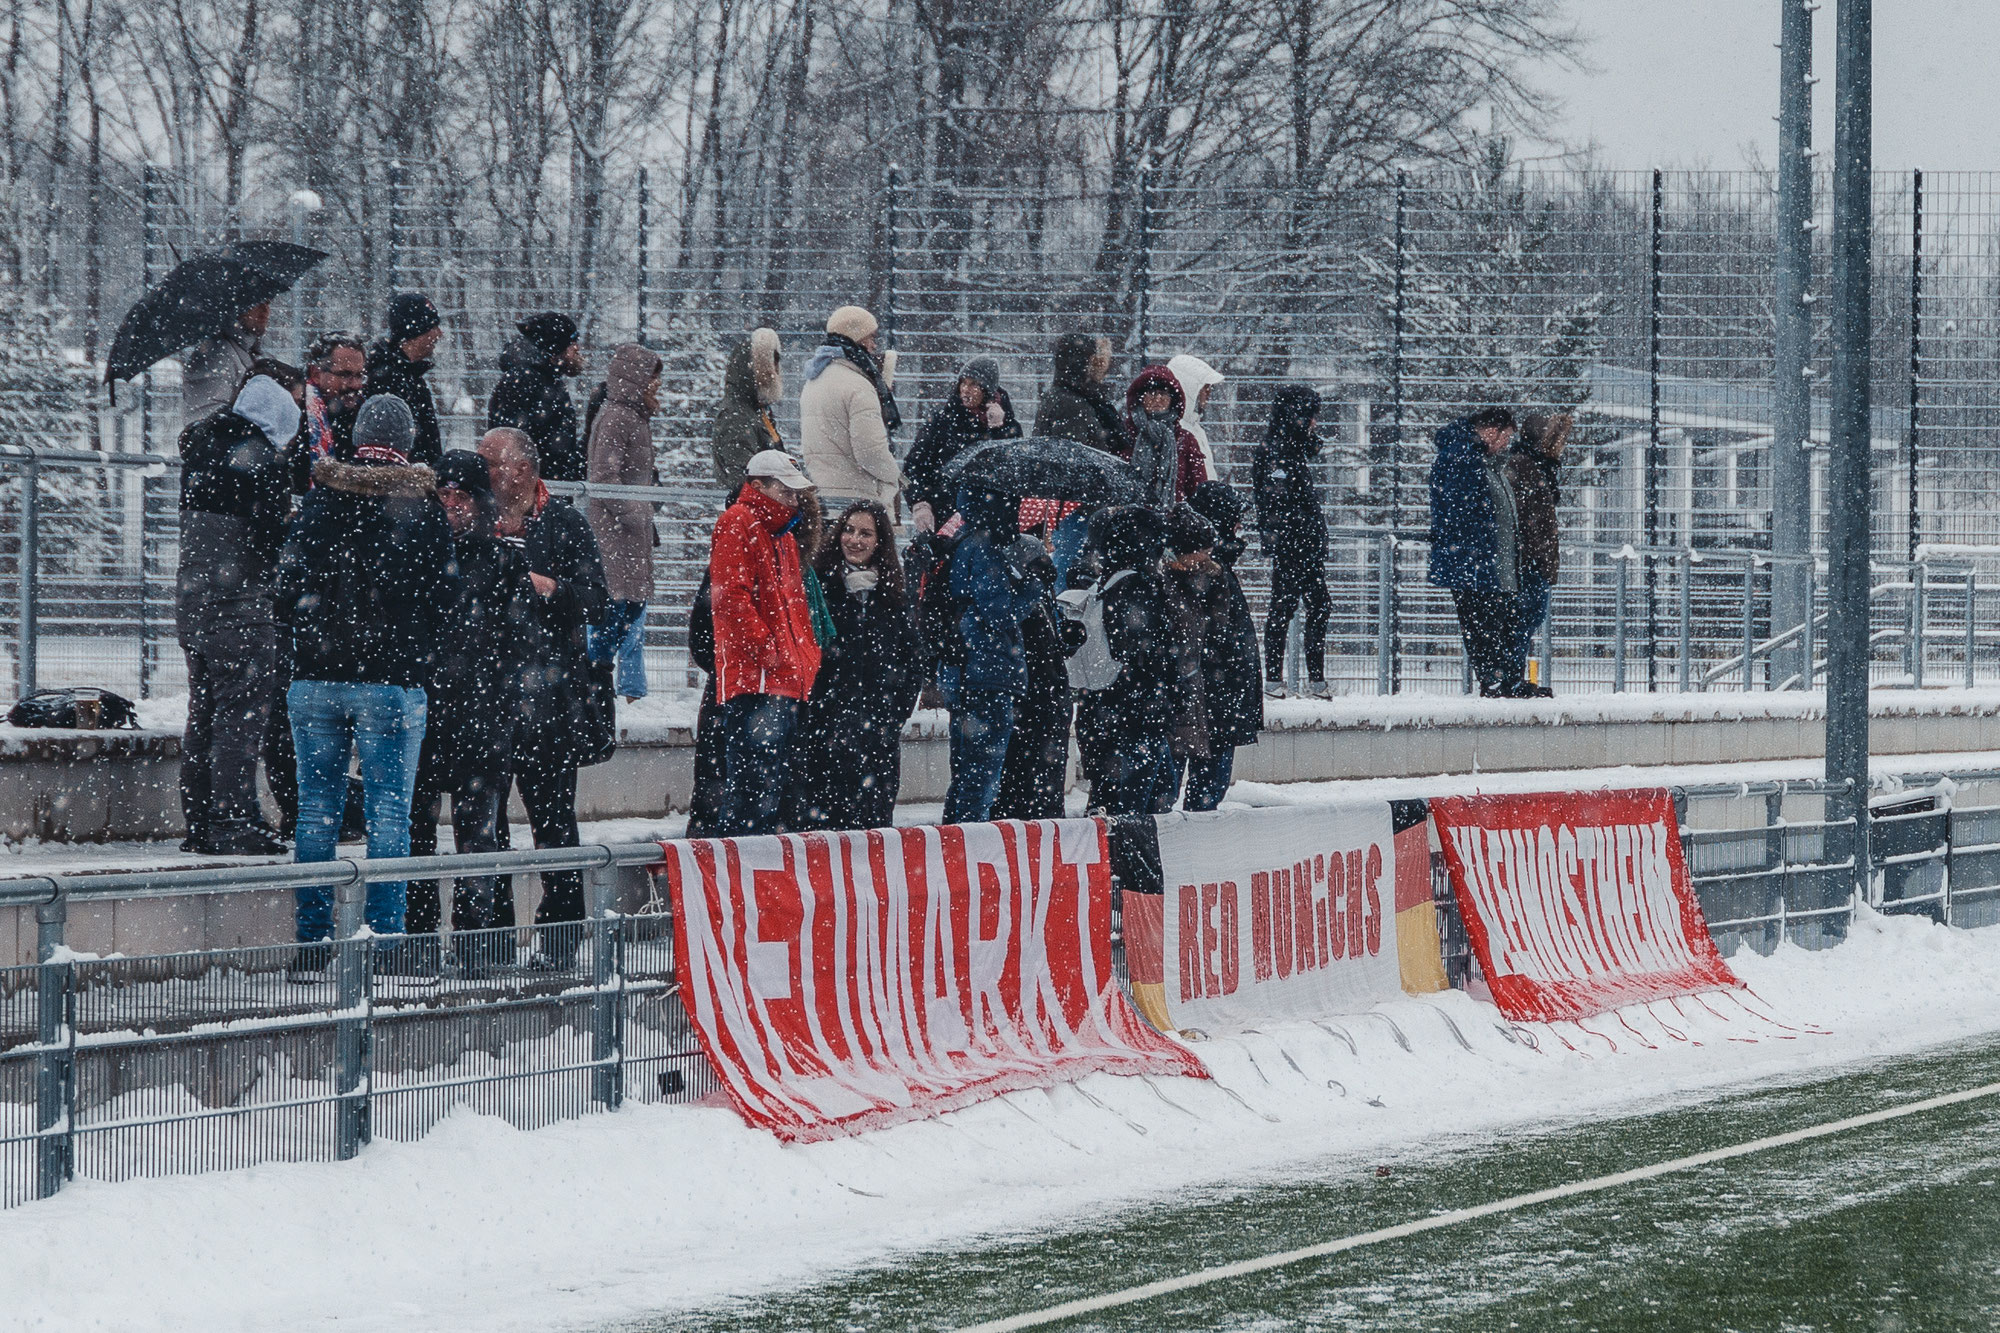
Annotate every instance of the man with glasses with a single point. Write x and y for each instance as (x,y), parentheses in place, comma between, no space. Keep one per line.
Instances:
(336,375)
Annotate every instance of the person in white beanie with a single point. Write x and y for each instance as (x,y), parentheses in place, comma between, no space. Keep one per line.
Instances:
(1197,378)
(846,411)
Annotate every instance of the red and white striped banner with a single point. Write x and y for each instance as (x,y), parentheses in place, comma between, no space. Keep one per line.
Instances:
(1577,902)
(847,981)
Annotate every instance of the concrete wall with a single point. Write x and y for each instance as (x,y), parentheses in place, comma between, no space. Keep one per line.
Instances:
(100,786)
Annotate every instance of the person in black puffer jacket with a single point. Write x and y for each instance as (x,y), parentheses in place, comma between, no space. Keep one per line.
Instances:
(235,499)
(978,410)
(1031,777)
(1230,690)
(1130,722)
(399,364)
(531,393)
(847,754)
(1292,527)
(486,637)
(365,577)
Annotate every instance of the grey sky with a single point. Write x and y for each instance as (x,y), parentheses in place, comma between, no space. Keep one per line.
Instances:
(1687,82)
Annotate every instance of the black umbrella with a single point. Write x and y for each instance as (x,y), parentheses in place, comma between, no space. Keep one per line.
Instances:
(1046,467)
(201,298)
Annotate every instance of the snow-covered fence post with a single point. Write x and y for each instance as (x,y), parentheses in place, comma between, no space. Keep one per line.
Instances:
(645,257)
(1687,617)
(1971,623)
(1385,612)
(607,979)
(30,560)
(1916,345)
(352,953)
(1624,577)
(1653,447)
(892,177)
(1142,272)
(1917,573)
(55,1034)
(1396,356)
(1749,623)
(1396,407)
(398,202)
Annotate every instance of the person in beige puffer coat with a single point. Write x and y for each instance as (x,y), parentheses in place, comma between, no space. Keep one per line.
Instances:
(621,454)
(846,411)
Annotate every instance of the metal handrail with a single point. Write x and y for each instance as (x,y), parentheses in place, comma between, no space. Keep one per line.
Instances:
(39,890)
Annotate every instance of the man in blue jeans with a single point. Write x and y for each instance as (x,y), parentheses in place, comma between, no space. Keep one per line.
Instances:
(363,577)
(990,578)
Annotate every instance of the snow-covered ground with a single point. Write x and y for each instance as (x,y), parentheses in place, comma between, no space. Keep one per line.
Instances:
(655,1209)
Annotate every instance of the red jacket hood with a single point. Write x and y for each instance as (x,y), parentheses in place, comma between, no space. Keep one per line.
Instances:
(1153,377)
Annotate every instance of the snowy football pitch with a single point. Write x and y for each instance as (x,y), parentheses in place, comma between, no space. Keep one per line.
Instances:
(1891,1222)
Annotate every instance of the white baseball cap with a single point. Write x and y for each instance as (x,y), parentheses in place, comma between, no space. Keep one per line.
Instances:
(777,465)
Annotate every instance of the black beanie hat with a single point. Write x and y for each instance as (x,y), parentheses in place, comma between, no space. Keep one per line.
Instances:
(1188,531)
(411,315)
(1219,504)
(463,470)
(551,333)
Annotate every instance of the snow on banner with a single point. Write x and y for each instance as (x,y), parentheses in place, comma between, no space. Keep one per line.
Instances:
(1577,902)
(1286,912)
(846,981)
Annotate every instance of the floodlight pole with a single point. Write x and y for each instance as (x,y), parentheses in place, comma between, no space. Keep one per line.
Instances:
(1848,498)
(1791,416)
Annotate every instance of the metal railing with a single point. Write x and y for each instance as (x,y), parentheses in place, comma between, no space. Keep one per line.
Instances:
(87,569)
(120,1067)
(123,1067)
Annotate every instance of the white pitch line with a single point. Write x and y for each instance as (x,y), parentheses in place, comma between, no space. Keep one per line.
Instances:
(1244,1267)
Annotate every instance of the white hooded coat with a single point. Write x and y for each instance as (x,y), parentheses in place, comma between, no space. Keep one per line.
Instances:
(1195,375)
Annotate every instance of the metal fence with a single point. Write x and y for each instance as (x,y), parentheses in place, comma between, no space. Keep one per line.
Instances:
(92,600)
(171,1064)
(1642,301)
(124,1067)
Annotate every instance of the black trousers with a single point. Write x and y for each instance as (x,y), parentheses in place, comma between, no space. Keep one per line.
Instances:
(1487,620)
(711,742)
(476,811)
(281,761)
(1031,777)
(230,684)
(1291,584)
(548,790)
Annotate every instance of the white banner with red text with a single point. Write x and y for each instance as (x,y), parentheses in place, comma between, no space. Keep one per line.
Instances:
(1576,903)
(840,982)
(1285,912)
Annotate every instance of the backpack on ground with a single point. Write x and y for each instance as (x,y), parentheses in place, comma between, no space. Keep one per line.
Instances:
(1092,665)
(76,709)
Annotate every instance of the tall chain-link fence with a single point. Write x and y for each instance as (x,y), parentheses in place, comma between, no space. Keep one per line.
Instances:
(1643,302)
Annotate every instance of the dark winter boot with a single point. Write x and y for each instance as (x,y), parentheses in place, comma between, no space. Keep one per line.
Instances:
(241,838)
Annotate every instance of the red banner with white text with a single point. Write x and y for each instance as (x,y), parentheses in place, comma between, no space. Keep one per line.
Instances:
(1577,902)
(847,981)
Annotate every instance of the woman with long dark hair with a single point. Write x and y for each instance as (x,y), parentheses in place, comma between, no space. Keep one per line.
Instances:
(847,756)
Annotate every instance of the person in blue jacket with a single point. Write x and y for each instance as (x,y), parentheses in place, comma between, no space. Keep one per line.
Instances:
(992,579)
(1475,545)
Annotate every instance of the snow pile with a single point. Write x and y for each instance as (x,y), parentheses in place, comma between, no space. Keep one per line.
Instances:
(1390,712)
(481,1226)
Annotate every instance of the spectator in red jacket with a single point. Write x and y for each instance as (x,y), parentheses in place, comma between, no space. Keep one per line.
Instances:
(765,652)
